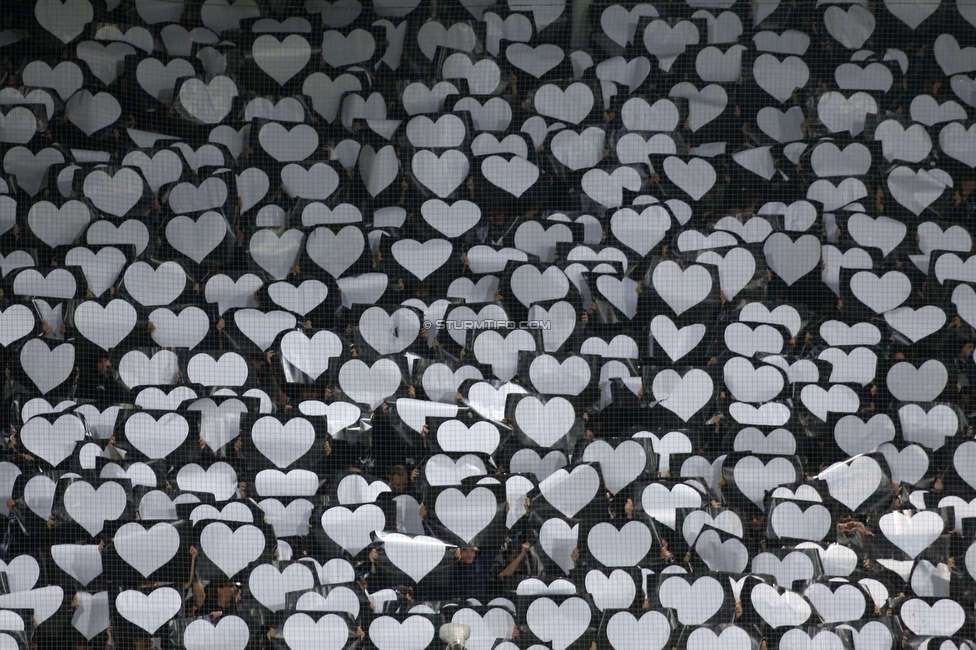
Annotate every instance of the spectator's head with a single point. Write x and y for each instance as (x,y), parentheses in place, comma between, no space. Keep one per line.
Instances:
(104,364)
(468,553)
(756,522)
(226,592)
(399,479)
(966,349)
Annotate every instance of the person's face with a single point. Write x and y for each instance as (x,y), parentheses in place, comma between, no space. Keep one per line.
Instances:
(398,483)
(143,644)
(227,591)
(103,366)
(967,350)
(467,555)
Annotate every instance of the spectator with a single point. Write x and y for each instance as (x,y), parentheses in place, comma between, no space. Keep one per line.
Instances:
(99,382)
(402,481)
(514,563)
(468,575)
(222,597)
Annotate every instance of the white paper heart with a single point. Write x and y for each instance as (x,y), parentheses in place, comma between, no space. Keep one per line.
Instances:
(149,612)
(146,550)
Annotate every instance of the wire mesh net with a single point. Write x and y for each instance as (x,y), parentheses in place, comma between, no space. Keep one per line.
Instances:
(535,325)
